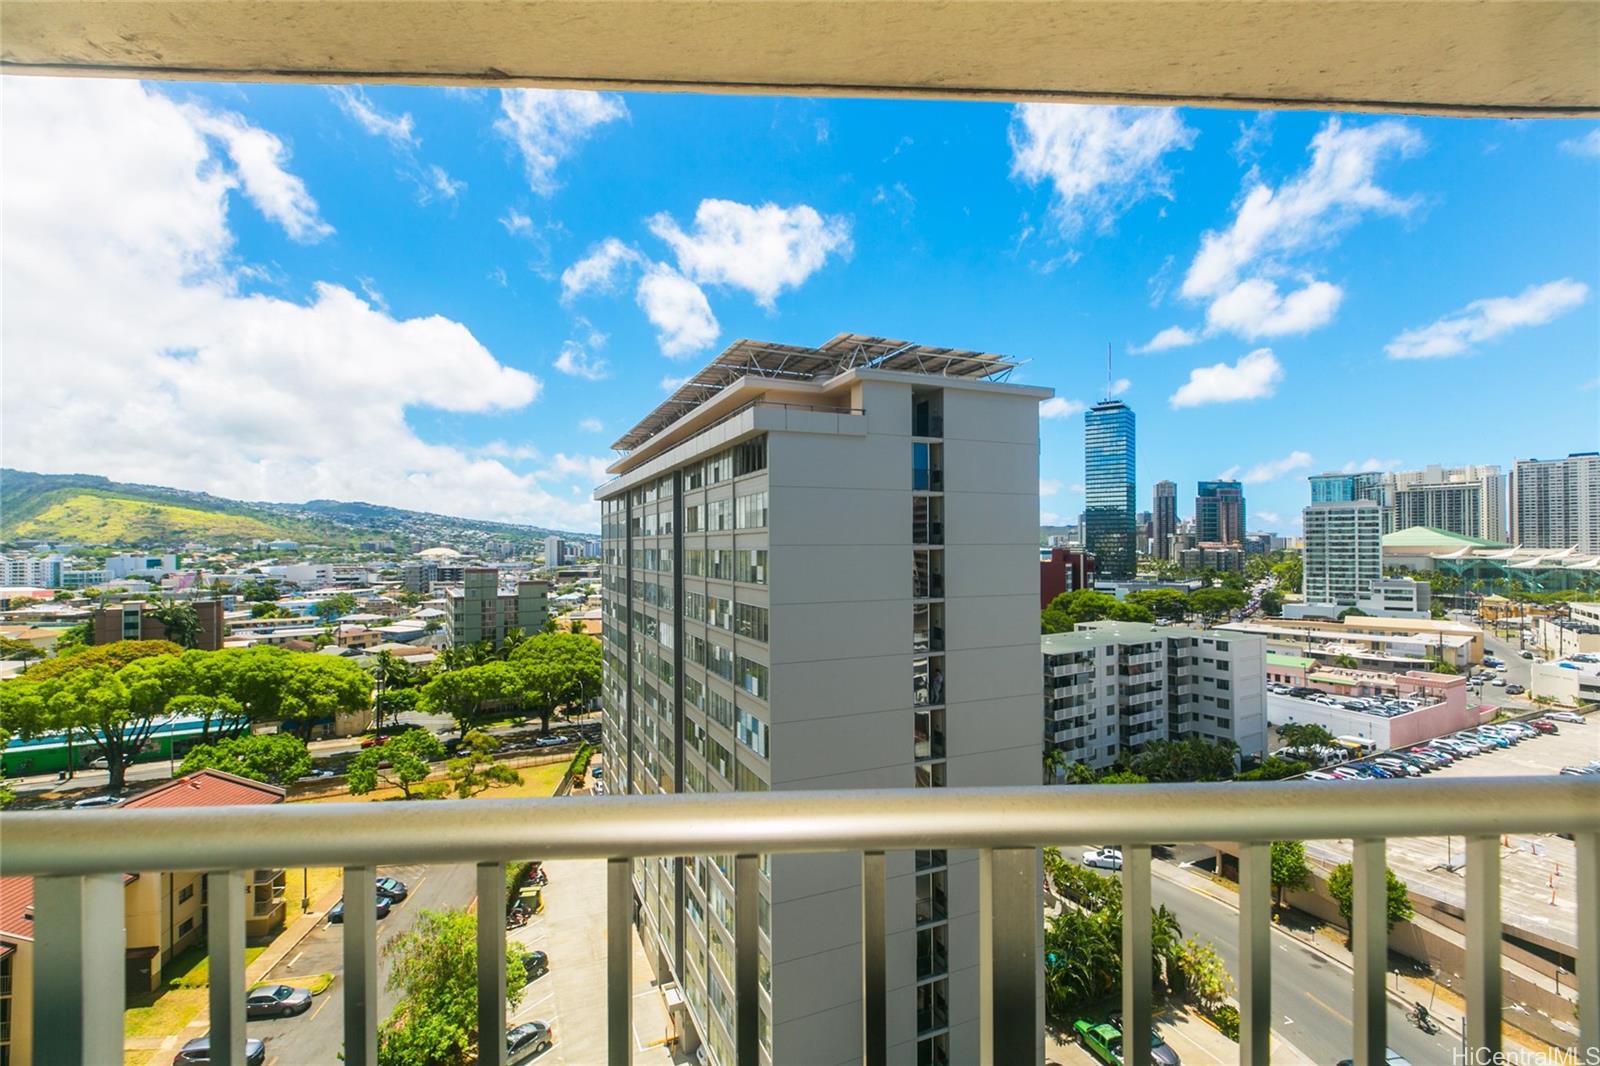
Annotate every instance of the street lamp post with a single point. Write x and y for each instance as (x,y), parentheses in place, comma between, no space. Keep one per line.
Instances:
(305,889)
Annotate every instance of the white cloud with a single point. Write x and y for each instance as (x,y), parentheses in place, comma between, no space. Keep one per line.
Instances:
(1368,465)
(1059,407)
(762,250)
(442,183)
(1050,518)
(398,130)
(588,468)
(1171,337)
(498,276)
(130,351)
(1483,320)
(591,425)
(1587,145)
(1272,469)
(548,125)
(1049,486)
(678,308)
(1271,518)
(1330,195)
(823,131)
(1253,138)
(672,383)
(1099,160)
(1075,487)
(599,271)
(516,223)
(1120,386)
(1254,309)
(1254,376)
(259,159)
(369,289)
(576,361)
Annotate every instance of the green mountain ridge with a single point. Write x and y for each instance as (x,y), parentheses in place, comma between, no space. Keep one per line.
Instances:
(90,509)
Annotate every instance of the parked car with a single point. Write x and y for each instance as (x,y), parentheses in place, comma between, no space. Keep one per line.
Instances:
(336,915)
(96,801)
(1565,716)
(1104,1042)
(1527,655)
(391,889)
(1515,690)
(1498,682)
(535,964)
(1104,858)
(374,742)
(276,1001)
(317,774)
(1318,775)
(529,1036)
(552,741)
(198,1050)
(1578,771)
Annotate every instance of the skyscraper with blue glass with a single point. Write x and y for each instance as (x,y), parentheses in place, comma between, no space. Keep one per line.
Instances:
(1108,483)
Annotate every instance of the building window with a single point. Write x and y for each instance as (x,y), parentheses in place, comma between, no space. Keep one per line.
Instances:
(751,565)
(752,732)
(750,511)
(750,457)
(186,927)
(750,621)
(753,677)
(186,893)
(721,564)
(720,708)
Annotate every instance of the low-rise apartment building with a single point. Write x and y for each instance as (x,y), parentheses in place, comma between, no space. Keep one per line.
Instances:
(480,611)
(133,620)
(1389,645)
(1111,687)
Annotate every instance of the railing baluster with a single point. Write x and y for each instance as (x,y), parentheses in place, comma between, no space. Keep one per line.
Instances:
(1588,961)
(1255,954)
(78,969)
(1369,932)
(1483,943)
(360,966)
(491,964)
(1136,974)
(746,948)
(874,969)
(225,903)
(619,962)
(1008,959)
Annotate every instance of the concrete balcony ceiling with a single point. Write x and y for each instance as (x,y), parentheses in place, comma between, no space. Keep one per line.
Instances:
(1492,57)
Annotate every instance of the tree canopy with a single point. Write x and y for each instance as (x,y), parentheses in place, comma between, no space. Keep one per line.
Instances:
(1341,886)
(1185,760)
(1290,872)
(404,762)
(1304,736)
(1067,610)
(475,770)
(276,758)
(434,969)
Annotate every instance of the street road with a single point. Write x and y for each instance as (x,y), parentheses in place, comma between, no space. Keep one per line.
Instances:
(317,1036)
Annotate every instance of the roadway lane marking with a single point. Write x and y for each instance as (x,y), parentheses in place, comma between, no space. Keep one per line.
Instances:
(1327,1008)
(318,1008)
(291,962)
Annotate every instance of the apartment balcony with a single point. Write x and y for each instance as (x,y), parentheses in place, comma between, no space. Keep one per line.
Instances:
(81,856)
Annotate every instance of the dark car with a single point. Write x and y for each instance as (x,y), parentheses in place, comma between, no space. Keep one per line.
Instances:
(392,889)
(374,742)
(535,964)
(276,1001)
(337,914)
(199,1050)
(535,1036)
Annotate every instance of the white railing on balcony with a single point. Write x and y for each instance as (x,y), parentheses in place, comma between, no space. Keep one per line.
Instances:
(80,857)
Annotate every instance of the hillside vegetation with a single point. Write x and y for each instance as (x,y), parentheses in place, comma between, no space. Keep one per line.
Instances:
(88,509)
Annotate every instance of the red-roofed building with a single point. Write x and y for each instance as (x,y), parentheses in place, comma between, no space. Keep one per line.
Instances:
(164,911)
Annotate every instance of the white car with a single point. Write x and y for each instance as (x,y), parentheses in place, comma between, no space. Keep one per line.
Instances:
(1565,716)
(1105,858)
(1498,682)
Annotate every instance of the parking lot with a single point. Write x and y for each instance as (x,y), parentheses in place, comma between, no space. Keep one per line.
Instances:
(1538,878)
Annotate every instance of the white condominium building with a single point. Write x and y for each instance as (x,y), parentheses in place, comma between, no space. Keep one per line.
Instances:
(1111,687)
(1343,553)
(1470,500)
(820,571)
(1556,503)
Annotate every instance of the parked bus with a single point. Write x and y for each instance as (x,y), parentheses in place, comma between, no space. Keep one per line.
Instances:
(1357,746)
(51,752)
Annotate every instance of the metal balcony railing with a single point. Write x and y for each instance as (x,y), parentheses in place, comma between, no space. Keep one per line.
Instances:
(80,858)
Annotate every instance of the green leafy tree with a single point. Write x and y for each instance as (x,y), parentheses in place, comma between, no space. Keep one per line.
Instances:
(1185,760)
(463,693)
(433,967)
(7,796)
(1213,603)
(115,656)
(1070,609)
(256,590)
(1273,768)
(74,639)
(559,669)
(1272,603)
(1290,871)
(409,756)
(334,606)
(276,758)
(1347,661)
(1169,604)
(1289,572)
(1055,764)
(475,770)
(1079,774)
(1122,777)
(268,609)
(1202,975)
(180,622)
(1341,886)
(1304,736)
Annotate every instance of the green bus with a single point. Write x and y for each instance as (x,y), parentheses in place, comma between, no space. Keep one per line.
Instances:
(52,753)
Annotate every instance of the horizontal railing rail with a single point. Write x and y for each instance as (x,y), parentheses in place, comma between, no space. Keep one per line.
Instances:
(82,855)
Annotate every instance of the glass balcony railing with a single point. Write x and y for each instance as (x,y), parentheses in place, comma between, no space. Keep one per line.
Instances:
(80,858)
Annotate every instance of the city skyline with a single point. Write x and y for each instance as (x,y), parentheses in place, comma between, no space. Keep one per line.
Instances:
(443,299)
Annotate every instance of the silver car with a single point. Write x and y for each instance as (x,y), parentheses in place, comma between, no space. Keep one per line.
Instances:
(276,1001)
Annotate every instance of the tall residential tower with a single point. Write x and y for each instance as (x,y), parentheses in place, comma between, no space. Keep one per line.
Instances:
(820,570)
(1108,461)
(1219,512)
(1556,503)
(1163,519)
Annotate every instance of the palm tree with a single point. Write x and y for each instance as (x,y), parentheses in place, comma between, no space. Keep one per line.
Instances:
(181,623)
(1055,764)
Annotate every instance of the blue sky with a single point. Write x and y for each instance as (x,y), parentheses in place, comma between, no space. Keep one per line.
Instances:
(455,300)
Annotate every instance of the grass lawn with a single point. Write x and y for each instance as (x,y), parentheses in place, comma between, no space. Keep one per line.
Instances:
(163,1012)
(192,968)
(537,782)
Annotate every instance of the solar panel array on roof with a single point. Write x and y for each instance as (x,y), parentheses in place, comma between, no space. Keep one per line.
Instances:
(787,362)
